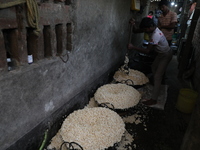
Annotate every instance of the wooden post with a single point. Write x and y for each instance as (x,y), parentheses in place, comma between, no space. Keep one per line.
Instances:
(183,20)
(40,43)
(47,41)
(59,38)
(69,36)
(3,57)
(186,51)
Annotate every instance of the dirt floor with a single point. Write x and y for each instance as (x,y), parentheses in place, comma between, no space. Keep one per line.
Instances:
(151,128)
(161,129)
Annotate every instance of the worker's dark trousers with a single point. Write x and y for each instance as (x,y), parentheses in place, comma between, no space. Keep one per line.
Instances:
(159,67)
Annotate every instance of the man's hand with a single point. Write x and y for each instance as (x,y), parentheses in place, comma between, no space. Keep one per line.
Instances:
(131,46)
(132,21)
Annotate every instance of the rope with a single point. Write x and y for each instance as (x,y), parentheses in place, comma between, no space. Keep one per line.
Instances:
(10,4)
(32,12)
(61,57)
(33,15)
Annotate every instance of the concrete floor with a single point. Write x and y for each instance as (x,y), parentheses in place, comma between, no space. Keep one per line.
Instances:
(158,129)
(164,128)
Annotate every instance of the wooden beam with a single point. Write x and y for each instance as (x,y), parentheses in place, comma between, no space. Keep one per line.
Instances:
(186,51)
(3,57)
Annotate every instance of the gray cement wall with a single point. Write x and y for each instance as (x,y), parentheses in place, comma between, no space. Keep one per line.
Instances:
(30,94)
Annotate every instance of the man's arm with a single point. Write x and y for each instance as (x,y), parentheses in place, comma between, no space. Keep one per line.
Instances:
(137,30)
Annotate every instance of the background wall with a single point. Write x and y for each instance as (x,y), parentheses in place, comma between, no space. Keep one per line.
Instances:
(33,97)
(192,135)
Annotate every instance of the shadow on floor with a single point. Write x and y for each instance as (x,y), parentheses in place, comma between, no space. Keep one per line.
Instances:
(164,128)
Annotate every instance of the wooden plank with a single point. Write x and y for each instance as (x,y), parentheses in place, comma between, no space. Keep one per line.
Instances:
(3,57)
(186,51)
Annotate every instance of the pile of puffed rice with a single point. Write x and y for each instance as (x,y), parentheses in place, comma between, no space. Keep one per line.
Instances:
(93,128)
(121,96)
(137,77)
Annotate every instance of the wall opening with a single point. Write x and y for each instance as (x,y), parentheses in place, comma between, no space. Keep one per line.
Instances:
(47,41)
(32,45)
(59,38)
(68,2)
(11,46)
(69,37)
(3,57)
(43,1)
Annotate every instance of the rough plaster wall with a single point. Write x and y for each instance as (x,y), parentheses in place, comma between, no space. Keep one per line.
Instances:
(102,32)
(32,93)
(137,39)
